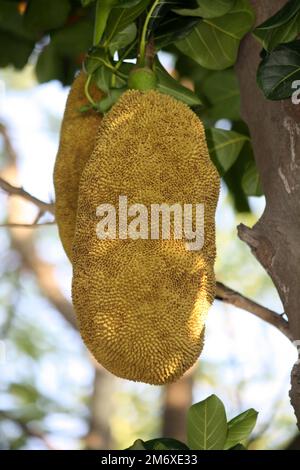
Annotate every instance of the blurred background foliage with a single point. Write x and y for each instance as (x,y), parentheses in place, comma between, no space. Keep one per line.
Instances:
(52,394)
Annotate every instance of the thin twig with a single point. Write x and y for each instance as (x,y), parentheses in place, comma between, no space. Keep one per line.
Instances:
(15,191)
(34,225)
(27,429)
(225,294)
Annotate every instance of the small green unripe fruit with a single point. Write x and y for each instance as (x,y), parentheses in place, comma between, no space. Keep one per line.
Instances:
(142,79)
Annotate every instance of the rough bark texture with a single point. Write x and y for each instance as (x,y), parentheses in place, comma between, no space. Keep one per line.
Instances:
(275,131)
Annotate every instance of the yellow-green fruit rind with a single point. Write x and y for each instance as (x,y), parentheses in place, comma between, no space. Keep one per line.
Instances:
(77,140)
(142,79)
(141,304)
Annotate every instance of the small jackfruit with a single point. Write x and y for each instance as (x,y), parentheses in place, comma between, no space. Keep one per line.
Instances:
(142,303)
(77,140)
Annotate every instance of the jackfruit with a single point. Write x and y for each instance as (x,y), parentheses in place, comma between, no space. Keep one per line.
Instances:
(142,303)
(77,140)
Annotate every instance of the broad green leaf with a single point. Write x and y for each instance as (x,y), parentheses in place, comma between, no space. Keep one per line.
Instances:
(51,66)
(24,392)
(207,425)
(278,71)
(86,3)
(165,444)
(14,50)
(240,428)
(224,147)
(232,180)
(120,18)
(123,38)
(214,43)
(251,181)
(270,38)
(73,40)
(111,98)
(126,3)
(208,8)
(157,13)
(113,3)
(11,21)
(283,16)
(168,85)
(221,89)
(281,28)
(103,12)
(238,447)
(172,28)
(137,445)
(104,77)
(42,15)
(97,57)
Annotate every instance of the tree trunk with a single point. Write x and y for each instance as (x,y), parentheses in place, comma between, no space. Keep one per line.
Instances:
(275,132)
(177,400)
(99,436)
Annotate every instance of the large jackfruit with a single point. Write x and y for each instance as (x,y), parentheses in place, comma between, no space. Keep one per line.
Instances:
(141,304)
(77,140)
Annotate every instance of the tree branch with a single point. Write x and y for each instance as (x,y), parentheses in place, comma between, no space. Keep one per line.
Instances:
(15,191)
(225,294)
(27,430)
(34,225)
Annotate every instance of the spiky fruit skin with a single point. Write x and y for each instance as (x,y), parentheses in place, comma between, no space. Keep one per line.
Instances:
(77,141)
(142,79)
(141,304)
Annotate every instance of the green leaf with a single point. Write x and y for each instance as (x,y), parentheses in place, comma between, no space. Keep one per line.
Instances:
(123,38)
(74,40)
(238,447)
(168,85)
(112,97)
(240,428)
(250,180)
(103,77)
(207,425)
(159,10)
(120,18)
(208,8)
(24,392)
(222,92)
(278,70)
(214,43)
(173,28)
(137,445)
(12,22)
(97,57)
(165,444)
(86,3)
(127,3)
(224,147)
(13,50)
(281,28)
(42,15)
(270,38)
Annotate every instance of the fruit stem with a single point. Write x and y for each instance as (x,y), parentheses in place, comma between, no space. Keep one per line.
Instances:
(143,43)
(87,91)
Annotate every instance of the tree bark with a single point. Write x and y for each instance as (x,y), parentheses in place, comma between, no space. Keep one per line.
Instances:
(99,435)
(176,402)
(275,132)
